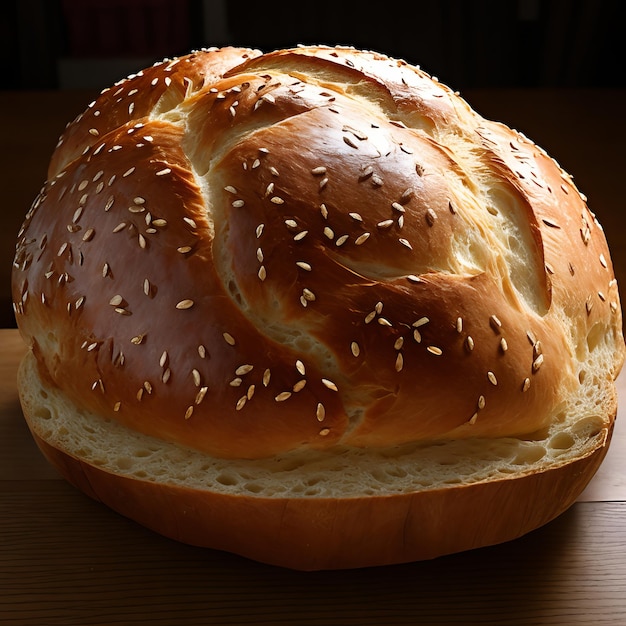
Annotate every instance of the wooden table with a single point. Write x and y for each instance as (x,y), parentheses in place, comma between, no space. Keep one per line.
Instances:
(65,559)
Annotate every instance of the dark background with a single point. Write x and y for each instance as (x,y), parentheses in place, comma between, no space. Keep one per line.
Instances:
(50,44)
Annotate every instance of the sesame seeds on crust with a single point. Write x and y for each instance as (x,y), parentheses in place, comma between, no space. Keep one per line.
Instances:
(366,254)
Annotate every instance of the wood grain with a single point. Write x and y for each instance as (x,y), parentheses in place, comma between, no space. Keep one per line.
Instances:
(67,560)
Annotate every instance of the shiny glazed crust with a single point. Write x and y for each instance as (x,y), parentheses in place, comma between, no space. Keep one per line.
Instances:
(315,249)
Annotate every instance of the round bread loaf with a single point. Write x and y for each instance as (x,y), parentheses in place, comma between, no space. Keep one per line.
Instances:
(309,307)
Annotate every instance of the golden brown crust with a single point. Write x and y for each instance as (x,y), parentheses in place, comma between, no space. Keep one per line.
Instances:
(253,253)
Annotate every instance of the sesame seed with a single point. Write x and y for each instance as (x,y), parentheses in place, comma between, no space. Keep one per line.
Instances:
(195,374)
(276,200)
(435,350)
(320,412)
(89,233)
(356,216)
(341,240)
(361,239)
(301,235)
(329,384)
(300,367)
(284,395)
(318,171)
(324,432)
(184,249)
(385,224)
(116,300)
(481,402)
(504,346)
(308,295)
(242,370)
(407,194)
(299,386)
(303,265)
(241,403)
(201,394)
(472,420)
(164,171)
(495,323)
(355,349)
(185,304)
(237,204)
(266,377)
(262,273)
(202,351)
(420,322)
(324,211)
(383,321)
(370,316)
(469,343)
(128,172)
(138,339)
(406,243)
(398,207)
(399,362)
(366,173)
(492,378)
(399,342)
(537,363)
(229,339)
(163,359)
(526,384)
(431,217)
(236,382)
(328,232)
(259,230)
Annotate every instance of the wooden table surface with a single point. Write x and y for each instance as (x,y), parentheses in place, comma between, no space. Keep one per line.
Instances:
(65,559)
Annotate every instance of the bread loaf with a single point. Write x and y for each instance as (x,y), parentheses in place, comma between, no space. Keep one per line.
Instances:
(309,307)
